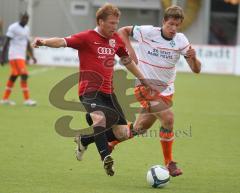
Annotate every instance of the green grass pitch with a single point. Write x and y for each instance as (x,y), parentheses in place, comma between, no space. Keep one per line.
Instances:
(35,159)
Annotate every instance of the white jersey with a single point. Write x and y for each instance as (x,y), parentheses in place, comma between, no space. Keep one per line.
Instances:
(19,38)
(157,56)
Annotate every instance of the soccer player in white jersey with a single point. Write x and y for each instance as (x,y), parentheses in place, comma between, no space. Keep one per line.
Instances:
(159,51)
(18,42)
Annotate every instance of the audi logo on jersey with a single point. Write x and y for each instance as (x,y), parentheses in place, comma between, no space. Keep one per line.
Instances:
(106,51)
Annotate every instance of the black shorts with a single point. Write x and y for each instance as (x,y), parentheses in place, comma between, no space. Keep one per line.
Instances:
(107,103)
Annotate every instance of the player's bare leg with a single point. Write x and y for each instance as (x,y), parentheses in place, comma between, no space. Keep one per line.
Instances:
(115,134)
(122,133)
(166,118)
(143,122)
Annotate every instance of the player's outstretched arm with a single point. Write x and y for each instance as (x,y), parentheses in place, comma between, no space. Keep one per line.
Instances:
(192,60)
(125,33)
(51,42)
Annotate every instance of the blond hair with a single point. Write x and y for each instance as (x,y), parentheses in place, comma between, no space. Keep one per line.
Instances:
(175,12)
(106,10)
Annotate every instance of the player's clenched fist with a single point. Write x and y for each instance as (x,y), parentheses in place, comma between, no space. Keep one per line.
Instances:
(191,53)
(38,42)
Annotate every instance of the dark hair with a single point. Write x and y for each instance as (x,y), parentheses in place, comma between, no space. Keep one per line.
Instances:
(106,10)
(175,12)
(24,14)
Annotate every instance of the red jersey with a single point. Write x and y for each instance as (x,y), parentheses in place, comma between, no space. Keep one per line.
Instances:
(96,55)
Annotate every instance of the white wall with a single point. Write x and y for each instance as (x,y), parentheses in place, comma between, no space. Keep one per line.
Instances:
(53,18)
(237,65)
(215,59)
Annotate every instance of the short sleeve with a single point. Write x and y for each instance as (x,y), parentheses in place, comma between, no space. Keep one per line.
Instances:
(139,32)
(10,32)
(184,44)
(76,41)
(122,50)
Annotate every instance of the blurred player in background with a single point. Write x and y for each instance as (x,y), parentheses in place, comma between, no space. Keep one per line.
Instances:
(97,49)
(159,51)
(18,42)
(1,27)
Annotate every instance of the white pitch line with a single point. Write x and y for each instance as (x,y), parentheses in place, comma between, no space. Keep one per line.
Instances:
(40,71)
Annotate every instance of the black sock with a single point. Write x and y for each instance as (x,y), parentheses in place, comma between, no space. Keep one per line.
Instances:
(87,139)
(89,119)
(101,141)
(110,135)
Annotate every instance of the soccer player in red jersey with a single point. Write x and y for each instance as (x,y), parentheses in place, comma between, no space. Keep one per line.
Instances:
(96,50)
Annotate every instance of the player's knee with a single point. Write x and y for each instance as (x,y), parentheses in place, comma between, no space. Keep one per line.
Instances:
(24,77)
(13,78)
(122,133)
(142,127)
(98,118)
